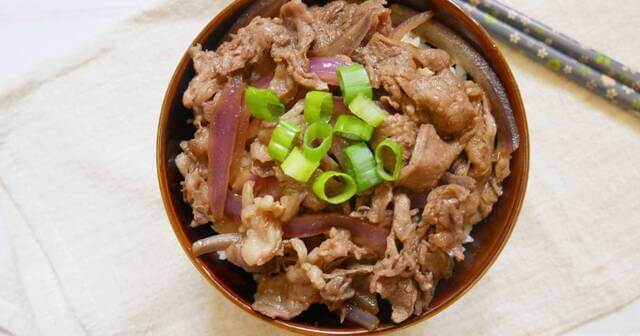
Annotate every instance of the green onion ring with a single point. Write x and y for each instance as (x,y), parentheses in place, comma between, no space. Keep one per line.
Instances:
(297,166)
(319,187)
(318,106)
(361,165)
(354,80)
(317,131)
(367,110)
(282,140)
(397,153)
(353,128)
(263,104)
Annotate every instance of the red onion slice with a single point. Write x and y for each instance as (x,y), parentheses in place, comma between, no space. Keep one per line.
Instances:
(360,316)
(233,206)
(361,231)
(239,145)
(366,301)
(223,130)
(215,243)
(325,68)
(264,81)
(410,24)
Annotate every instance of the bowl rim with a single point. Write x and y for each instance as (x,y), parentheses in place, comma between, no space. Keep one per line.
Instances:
(161,170)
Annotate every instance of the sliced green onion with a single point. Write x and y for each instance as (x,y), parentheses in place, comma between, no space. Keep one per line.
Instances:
(263,104)
(353,128)
(361,165)
(318,106)
(367,110)
(354,81)
(317,131)
(396,150)
(282,139)
(320,184)
(298,167)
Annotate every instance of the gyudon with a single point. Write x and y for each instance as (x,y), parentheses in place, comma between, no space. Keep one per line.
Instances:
(342,160)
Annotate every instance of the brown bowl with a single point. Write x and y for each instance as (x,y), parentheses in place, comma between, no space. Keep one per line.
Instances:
(490,236)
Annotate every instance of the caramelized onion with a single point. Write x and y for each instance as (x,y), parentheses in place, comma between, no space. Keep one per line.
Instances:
(360,316)
(410,24)
(223,130)
(233,206)
(366,301)
(444,38)
(362,232)
(346,43)
(325,68)
(264,81)
(215,243)
(240,142)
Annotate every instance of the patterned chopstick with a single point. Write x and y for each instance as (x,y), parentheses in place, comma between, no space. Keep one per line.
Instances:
(558,62)
(564,44)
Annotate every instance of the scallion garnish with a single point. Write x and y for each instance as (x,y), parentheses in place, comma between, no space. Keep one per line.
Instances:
(354,81)
(263,104)
(396,151)
(297,166)
(320,185)
(361,165)
(317,132)
(353,128)
(282,139)
(367,110)
(318,106)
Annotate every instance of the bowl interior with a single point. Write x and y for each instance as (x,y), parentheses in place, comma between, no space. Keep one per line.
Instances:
(489,236)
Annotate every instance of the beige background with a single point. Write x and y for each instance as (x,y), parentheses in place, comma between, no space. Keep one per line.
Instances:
(90,251)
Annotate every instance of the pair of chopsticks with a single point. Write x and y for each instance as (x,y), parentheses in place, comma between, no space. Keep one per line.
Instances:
(587,67)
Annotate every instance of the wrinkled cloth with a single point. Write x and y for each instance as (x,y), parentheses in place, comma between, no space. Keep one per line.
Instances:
(91,251)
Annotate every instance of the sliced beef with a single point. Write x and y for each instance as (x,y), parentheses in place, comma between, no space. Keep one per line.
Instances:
(337,289)
(401,293)
(261,225)
(283,84)
(195,190)
(248,46)
(399,128)
(380,200)
(277,297)
(480,147)
(337,20)
(338,245)
(403,227)
(391,63)
(445,210)
(443,99)
(299,20)
(431,158)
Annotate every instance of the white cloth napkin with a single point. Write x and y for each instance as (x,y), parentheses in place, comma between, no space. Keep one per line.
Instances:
(91,252)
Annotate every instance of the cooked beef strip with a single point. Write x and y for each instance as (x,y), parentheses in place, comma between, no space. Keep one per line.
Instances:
(443,99)
(277,297)
(261,225)
(399,128)
(431,158)
(382,196)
